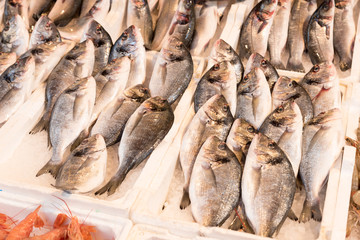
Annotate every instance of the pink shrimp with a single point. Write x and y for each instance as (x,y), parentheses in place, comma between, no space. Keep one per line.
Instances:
(59,233)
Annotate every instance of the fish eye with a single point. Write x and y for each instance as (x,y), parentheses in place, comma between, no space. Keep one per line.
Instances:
(226,107)
(271,145)
(316,68)
(143,90)
(98,29)
(178,46)
(228,49)
(222,146)
(246,78)
(216,67)
(263,63)
(124,37)
(280,109)
(290,84)
(250,129)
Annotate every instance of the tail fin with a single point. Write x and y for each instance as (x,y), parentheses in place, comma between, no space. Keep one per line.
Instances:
(113,184)
(345,64)
(50,167)
(185,200)
(277,64)
(40,126)
(310,210)
(297,67)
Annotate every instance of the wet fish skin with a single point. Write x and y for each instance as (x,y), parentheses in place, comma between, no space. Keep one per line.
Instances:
(37,8)
(17,7)
(301,12)
(70,115)
(85,168)
(287,89)
(256,28)
(215,183)
(213,118)
(144,130)
(319,33)
(6,60)
(344,32)
(172,72)
(112,119)
(64,11)
(323,140)
(44,31)
(268,186)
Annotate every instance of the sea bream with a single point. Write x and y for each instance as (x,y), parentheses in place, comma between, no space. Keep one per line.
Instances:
(64,11)
(17,7)
(6,60)
(44,31)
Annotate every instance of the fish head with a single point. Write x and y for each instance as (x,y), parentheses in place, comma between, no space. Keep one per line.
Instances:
(266,150)
(267,9)
(91,145)
(222,51)
(137,93)
(155,104)
(99,9)
(174,50)
(80,86)
(285,115)
(6,58)
(257,60)
(81,52)
(10,28)
(117,67)
(45,50)
(327,9)
(45,30)
(320,76)
(244,133)
(219,72)
(129,41)
(139,4)
(185,6)
(97,34)
(250,82)
(217,151)
(285,88)
(217,110)
(342,4)
(327,118)
(19,70)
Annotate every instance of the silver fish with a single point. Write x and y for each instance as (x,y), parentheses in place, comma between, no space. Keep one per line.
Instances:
(37,8)
(64,11)
(172,72)
(85,168)
(215,183)
(70,115)
(6,60)
(44,31)
(323,140)
(267,186)
(17,7)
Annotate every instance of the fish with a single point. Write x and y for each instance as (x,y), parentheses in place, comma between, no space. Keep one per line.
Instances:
(17,7)
(144,130)
(15,84)
(138,14)
(256,60)
(301,12)
(344,32)
(278,33)
(215,183)
(172,72)
(284,125)
(219,79)
(287,89)
(253,98)
(131,44)
(44,31)
(111,121)
(86,6)
(70,116)
(323,139)
(319,33)
(64,11)
(85,168)
(267,187)
(255,31)
(77,63)
(102,42)
(213,118)
(222,51)
(322,85)
(14,37)
(37,8)
(6,60)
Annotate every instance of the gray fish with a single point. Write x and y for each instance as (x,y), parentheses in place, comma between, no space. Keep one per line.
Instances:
(15,84)
(278,33)
(256,60)
(112,119)
(267,187)
(6,60)
(64,11)
(78,63)
(17,7)
(301,12)
(86,6)
(256,29)
(323,140)
(138,14)
(215,183)
(44,31)
(102,42)
(319,33)
(144,130)
(37,8)
(172,72)
(85,168)
(70,115)
(254,98)
(286,90)
(344,32)
(213,118)
(222,51)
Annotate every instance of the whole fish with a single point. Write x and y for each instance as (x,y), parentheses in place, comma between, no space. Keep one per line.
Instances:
(254,98)
(131,44)
(102,42)
(71,114)
(78,63)
(286,90)
(322,85)
(172,72)
(17,7)
(222,51)
(323,140)
(213,118)
(344,32)
(109,83)
(64,11)
(6,60)
(278,33)
(14,37)
(256,60)
(15,84)
(138,14)
(319,33)
(301,12)
(85,168)
(215,183)
(144,130)
(284,125)
(112,119)
(44,31)
(267,186)
(256,29)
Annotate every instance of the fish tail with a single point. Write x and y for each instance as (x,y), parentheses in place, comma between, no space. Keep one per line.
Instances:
(345,64)
(113,184)
(277,64)
(292,215)
(310,210)
(40,126)
(295,66)
(50,167)
(185,200)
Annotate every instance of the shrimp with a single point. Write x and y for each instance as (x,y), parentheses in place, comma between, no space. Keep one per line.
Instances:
(59,233)
(3,234)
(60,219)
